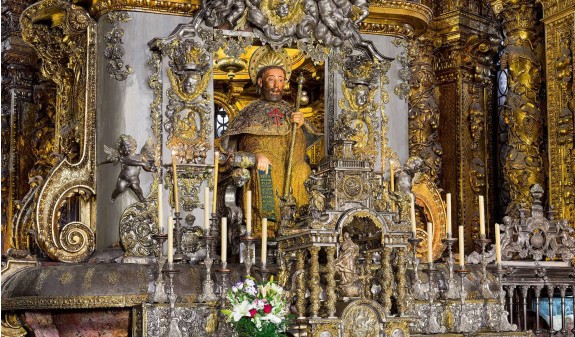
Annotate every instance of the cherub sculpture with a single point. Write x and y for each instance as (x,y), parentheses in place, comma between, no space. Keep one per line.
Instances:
(404,177)
(131,162)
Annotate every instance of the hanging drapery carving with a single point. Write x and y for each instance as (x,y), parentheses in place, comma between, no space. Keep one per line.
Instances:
(523,157)
(63,35)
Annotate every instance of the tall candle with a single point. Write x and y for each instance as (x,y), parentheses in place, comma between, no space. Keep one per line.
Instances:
(481,216)
(216,164)
(207,208)
(170,240)
(175,180)
(461,248)
(497,244)
(412,215)
(249,212)
(264,241)
(448,224)
(391,177)
(160,209)
(224,243)
(429,242)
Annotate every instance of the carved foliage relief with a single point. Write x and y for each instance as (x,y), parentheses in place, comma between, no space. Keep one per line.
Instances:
(423,107)
(561,113)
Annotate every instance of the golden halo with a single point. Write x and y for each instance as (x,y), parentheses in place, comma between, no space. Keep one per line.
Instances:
(266,56)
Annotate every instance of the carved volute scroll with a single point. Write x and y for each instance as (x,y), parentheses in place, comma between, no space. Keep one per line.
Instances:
(63,35)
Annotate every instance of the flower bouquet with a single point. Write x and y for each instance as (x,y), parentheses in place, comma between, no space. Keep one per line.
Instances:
(258,310)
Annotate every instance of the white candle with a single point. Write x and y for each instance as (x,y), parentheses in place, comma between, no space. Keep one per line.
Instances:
(481,216)
(448,224)
(224,242)
(216,164)
(429,242)
(391,177)
(264,241)
(497,245)
(175,181)
(412,215)
(207,208)
(160,209)
(249,213)
(170,240)
(461,247)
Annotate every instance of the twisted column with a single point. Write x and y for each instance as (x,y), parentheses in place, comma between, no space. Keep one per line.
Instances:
(331,297)
(386,280)
(314,278)
(300,269)
(401,279)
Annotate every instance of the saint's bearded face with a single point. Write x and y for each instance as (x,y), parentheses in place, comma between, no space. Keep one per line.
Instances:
(272,84)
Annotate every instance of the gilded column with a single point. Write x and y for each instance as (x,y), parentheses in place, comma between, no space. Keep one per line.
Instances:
(331,296)
(386,280)
(521,116)
(559,20)
(301,286)
(314,280)
(401,279)
(465,81)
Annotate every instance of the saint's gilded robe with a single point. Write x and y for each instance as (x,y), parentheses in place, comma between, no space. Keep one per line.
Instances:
(263,127)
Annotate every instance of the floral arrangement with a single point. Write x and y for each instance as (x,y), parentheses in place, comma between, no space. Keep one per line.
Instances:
(258,310)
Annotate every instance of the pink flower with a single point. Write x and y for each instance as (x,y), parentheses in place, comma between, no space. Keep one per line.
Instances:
(267,308)
(253,312)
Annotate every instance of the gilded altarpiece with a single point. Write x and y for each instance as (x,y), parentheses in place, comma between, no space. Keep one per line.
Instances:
(559,19)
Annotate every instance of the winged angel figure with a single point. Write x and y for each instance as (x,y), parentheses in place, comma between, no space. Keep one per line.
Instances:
(131,162)
(331,22)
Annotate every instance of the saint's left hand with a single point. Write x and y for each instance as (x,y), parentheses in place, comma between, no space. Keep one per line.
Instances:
(297,117)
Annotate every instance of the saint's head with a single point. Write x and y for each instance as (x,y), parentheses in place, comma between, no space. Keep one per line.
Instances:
(271,81)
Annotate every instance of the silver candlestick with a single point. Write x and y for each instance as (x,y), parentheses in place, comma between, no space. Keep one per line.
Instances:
(417,290)
(249,252)
(159,291)
(451,287)
(464,325)
(224,273)
(486,293)
(173,329)
(178,232)
(208,285)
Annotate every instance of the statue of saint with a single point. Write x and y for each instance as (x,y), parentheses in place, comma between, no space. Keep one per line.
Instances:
(345,265)
(263,128)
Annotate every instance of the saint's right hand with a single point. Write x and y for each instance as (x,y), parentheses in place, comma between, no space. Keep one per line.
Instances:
(262,162)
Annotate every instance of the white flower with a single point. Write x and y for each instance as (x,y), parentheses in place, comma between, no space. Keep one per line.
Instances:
(277,288)
(251,290)
(250,282)
(234,289)
(241,310)
(259,304)
(272,318)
